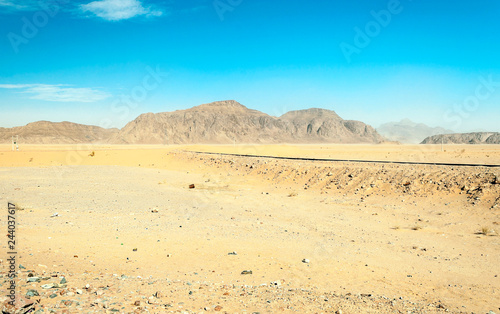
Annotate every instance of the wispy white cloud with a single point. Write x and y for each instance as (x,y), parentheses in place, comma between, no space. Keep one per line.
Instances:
(61,93)
(30,5)
(15,6)
(116,10)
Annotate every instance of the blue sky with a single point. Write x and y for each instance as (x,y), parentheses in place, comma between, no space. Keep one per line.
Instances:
(105,62)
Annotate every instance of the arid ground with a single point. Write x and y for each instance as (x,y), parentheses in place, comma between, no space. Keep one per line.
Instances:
(104,229)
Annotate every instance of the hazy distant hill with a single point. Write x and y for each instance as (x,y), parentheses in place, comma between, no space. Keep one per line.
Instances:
(407,131)
(229,121)
(465,138)
(45,132)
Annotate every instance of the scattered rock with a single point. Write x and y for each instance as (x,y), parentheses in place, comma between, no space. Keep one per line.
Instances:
(158,295)
(32,293)
(34,279)
(276,283)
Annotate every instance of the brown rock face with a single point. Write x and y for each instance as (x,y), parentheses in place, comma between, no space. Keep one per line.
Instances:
(229,121)
(45,132)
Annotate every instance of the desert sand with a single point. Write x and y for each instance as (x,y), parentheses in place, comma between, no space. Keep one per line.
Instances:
(118,229)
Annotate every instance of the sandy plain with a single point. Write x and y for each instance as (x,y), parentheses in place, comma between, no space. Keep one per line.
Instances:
(319,237)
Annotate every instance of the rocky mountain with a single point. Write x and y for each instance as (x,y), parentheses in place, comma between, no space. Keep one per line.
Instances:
(229,121)
(321,125)
(45,132)
(465,138)
(409,132)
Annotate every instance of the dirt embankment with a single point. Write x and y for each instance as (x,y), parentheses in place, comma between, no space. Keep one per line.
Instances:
(477,185)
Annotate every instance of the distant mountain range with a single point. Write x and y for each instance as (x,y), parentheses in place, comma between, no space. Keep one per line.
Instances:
(228,122)
(409,132)
(218,123)
(464,138)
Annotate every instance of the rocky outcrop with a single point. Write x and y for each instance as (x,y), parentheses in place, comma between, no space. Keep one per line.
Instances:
(464,138)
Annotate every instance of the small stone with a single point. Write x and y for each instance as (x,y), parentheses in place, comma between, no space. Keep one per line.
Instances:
(218,308)
(232,253)
(79,291)
(191,186)
(137,303)
(158,294)
(135,250)
(246,272)
(155,210)
(53,295)
(305,261)
(63,281)
(48,286)
(32,293)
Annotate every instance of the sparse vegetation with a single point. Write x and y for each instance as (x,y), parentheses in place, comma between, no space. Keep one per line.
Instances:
(484,230)
(19,207)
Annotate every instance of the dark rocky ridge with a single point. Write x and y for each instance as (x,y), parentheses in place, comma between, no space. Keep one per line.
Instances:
(464,138)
